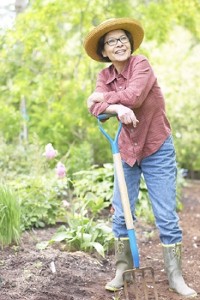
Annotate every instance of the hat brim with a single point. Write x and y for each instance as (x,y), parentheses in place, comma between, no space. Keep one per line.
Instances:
(131,25)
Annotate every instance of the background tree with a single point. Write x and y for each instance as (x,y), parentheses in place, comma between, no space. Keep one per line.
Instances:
(42,62)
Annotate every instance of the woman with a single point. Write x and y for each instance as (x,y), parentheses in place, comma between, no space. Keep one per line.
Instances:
(128,87)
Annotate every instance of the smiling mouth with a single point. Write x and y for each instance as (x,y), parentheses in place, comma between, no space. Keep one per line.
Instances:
(120,51)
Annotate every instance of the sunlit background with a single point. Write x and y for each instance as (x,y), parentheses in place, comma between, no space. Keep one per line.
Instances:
(7,13)
(44,71)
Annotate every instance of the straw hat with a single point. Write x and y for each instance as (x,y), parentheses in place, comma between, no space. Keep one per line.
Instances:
(131,25)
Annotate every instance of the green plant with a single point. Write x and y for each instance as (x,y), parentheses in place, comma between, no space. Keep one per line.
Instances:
(9,216)
(95,186)
(21,158)
(85,235)
(41,200)
(41,66)
(82,233)
(34,178)
(79,157)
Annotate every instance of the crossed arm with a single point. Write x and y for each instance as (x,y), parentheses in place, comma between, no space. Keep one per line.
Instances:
(125,114)
(124,102)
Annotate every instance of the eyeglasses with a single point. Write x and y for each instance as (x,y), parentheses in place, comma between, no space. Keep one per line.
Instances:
(113,42)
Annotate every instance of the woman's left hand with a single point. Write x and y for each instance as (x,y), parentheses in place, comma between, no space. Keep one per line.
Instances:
(94,98)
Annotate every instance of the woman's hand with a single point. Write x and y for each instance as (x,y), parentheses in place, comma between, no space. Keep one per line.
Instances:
(94,98)
(126,115)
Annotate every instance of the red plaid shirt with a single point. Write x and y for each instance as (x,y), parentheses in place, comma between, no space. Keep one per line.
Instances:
(137,88)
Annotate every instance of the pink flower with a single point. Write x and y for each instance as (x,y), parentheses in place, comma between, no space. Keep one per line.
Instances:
(65,203)
(60,170)
(50,152)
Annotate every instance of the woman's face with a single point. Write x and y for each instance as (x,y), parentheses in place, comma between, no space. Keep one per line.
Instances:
(116,46)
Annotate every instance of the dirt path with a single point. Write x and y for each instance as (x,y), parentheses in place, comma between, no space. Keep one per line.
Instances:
(25,272)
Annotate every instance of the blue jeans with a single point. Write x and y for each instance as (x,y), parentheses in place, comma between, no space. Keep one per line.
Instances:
(159,171)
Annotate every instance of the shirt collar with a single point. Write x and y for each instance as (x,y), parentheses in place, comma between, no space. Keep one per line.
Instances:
(113,72)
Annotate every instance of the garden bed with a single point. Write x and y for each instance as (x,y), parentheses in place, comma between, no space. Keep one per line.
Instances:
(52,274)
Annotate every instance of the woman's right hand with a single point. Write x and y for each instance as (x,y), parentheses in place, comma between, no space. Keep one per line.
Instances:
(126,115)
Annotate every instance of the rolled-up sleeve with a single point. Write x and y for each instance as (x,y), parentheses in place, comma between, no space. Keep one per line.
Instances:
(98,108)
(101,87)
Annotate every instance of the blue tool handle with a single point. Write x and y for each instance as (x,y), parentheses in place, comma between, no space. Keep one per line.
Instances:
(113,142)
(105,116)
(122,186)
(134,248)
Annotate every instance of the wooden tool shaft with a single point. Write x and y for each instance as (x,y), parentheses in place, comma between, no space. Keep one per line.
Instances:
(123,190)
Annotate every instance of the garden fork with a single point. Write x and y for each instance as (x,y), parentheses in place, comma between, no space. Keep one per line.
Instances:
(143,278)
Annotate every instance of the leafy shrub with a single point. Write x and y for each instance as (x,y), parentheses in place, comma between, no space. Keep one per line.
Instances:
(9,216)
(85,236)
(34,179)
(41,200)
(21,158)
(79,157)
(78,201)
(82,233)
(10,122)
(95,186)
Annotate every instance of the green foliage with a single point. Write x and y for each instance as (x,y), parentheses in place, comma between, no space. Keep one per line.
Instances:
(40,201)
(159,18)
(9,216)
(79,158)
(80,202)
(82,233)
(95,186)
(9,118)
(92,193)
(85,235)
(187,135)
(42,62)
(179,78)
(20,158)
(188,15)
(39,191)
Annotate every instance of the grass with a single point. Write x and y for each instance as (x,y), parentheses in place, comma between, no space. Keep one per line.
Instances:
(9,217)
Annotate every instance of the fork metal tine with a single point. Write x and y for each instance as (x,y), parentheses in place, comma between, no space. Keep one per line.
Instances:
(142,277)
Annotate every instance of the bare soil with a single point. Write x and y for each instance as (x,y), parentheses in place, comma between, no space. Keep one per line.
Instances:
(26,273)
